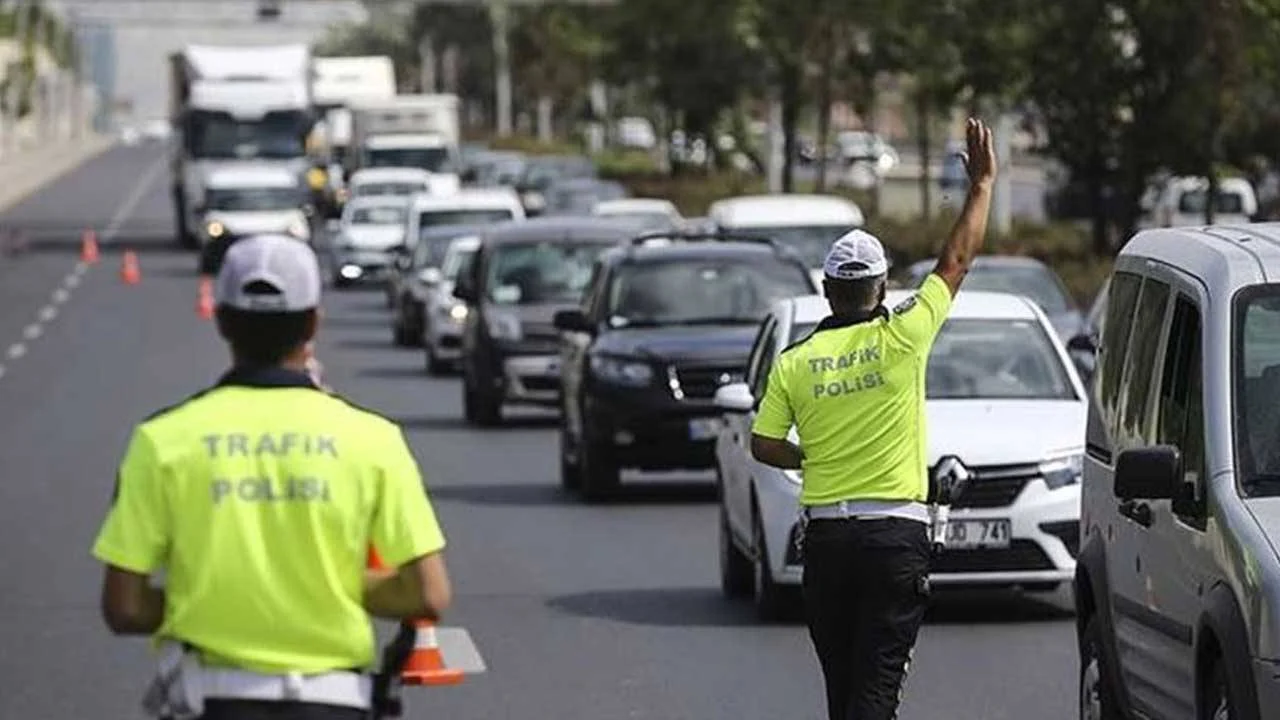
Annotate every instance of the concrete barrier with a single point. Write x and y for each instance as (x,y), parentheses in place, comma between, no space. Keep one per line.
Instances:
(25,172)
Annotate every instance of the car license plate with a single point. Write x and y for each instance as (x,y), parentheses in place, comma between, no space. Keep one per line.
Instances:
(703,428)
(977,534)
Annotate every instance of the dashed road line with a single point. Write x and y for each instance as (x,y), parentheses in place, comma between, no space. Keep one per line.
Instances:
(73,279)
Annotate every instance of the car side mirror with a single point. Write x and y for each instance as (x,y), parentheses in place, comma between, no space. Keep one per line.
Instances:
(734,398)
(573,320)
(431,276)
(1082,343)
(1149,473)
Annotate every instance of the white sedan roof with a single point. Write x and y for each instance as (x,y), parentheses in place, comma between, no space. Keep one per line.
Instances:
(783,210)
(628,206)
(971,304)
(469,199)
(390,174)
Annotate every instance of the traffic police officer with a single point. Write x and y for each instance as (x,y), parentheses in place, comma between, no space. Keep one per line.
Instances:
(259,498)
(854,390)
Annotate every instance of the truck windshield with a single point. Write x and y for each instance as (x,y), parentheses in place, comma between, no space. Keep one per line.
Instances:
(253,199)
(220,136)
(430,159)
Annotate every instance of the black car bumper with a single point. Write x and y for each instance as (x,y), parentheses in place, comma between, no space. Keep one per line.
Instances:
(654,433)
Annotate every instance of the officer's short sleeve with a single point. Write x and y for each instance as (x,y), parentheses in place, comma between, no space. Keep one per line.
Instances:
(404,524)
(775,417)
(914,323)
(136,533)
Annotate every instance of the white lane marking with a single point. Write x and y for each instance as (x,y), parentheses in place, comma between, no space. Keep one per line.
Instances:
(73,279)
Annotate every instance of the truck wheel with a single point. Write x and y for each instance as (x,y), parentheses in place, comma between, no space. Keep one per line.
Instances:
(1097,697)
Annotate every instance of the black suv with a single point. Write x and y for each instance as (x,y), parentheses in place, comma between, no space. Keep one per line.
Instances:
(661,328)
(524,273)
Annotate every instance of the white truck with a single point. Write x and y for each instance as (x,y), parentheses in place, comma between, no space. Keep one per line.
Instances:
(416,131)
(340,83)
(231,104)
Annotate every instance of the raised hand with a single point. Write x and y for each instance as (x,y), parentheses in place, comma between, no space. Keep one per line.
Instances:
(980,155)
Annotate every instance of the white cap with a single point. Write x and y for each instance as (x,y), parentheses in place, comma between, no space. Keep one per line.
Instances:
(855,256)
(269,273)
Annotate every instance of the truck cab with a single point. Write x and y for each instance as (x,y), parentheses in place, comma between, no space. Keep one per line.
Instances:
(231,105)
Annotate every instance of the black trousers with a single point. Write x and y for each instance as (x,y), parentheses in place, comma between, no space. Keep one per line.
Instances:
(274,710)
(866,586)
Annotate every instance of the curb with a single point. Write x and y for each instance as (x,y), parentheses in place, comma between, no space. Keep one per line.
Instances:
(22,175)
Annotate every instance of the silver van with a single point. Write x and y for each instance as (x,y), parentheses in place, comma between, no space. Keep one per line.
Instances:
(1178,578)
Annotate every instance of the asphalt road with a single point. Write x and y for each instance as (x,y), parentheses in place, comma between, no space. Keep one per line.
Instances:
(606,612)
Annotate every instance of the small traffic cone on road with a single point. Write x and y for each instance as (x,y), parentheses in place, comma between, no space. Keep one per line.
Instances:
(89,247)
(129,272)
(204,302)
(425,665)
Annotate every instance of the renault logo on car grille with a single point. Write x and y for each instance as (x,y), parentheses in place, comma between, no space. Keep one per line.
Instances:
(950,468)
(949,480)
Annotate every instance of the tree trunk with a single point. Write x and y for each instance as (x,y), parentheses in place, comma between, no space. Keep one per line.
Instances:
(923,146)
(790,120)
(824,104)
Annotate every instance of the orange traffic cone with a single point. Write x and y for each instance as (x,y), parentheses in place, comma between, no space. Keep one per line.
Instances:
(204,302)
(129,272)
(89,247)
(425,665)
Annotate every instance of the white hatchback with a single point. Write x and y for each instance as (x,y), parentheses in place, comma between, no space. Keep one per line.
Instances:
(1003,399)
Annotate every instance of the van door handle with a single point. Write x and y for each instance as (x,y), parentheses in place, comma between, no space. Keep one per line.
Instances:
(1138,512)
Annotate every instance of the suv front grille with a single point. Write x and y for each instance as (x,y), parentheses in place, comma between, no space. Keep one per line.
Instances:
(700,382)
(996,485)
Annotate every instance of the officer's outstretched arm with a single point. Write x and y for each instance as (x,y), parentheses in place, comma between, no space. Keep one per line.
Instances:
(971,227)
(418,589)
(776,452)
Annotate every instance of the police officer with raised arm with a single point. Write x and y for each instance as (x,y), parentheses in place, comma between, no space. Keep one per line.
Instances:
(259,498)
(855,392)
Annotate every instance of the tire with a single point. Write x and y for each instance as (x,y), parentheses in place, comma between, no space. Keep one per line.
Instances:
(1097,699)
(770,598)
(435,366)
(735,566)
(600,474)
(1218,704)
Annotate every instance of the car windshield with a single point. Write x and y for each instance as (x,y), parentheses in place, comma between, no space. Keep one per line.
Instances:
(975,359)
(456,259)
(540,174)
(582,200)
(253,199)
(1256,347)
(397,188)
(541,272)
(435,218)
(702,291)
(1193,202)
(377,215)
(1033,281)
(811,241)
(645,220)
(434,160)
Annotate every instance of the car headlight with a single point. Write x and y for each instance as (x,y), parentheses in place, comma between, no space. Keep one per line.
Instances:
(1063,471)
(299,229)
(621,371)
(458,312)
(504,327)
(215,229)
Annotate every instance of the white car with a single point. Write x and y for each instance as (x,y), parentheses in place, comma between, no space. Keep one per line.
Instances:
(251,199)
(468,206)
(1003,400)
(444,314)
(652,213)
(366,237)
(1180,202)
(806,223)
(399,181)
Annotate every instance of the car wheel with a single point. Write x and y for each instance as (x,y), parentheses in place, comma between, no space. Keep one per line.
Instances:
(401,333)
(769,596)
(1217,696)
(735,566)
(481,408)
(1097,697)
(599,473)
